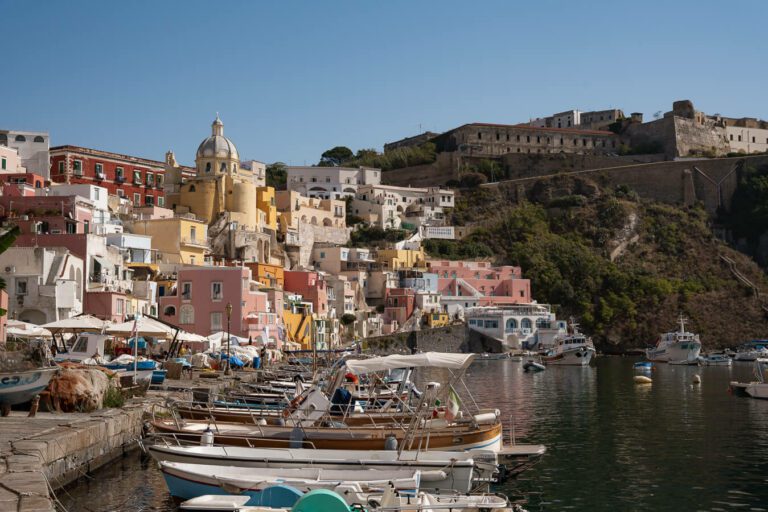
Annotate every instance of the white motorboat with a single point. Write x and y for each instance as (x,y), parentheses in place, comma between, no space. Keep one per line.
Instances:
(21,386)
(680,347)
(715,360)
(751,353)
(462,469)
(759,388)
(573,350)
(192,480)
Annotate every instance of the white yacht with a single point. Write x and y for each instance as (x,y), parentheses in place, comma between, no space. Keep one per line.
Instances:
(752,351)
(676,347)
(759,388)
(573,349)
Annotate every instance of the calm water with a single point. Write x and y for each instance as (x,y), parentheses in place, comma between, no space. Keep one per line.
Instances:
(612,445)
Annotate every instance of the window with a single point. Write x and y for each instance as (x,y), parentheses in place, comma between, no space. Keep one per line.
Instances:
(753,139)
(208,167)
(479,136)
(99,168)
(186,291)
(216,291)
(71,228)
(169,311)
(216,321)
(739,138)
(136,199)
(161,201)
(149,200)
(21,287)
(187,314)
(119,304)
(527,138)
(137,177)
(120,192)
(61,166)
(86,227)
(39,139)
(193,233)
(159,180)
(119,174)
(3,164)
(21,138)
(77,167)
(731,136)
(150,179)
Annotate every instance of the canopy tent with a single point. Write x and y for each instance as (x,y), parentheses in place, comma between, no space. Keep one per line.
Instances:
(19,329)
(427,359)
(144,327)
(220,338)
(82,323)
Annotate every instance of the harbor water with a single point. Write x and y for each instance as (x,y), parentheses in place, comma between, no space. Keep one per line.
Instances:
(612,444)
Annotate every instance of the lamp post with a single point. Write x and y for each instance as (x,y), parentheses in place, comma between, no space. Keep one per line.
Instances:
(227,370)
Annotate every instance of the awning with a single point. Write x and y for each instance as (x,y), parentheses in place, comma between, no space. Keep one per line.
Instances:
(427,359)
(82,323)
(103,262)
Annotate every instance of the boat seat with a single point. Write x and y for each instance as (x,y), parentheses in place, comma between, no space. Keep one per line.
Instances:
(321,499)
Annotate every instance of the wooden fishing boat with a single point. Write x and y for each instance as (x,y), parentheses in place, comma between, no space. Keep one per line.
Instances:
(22,386)
(449,437)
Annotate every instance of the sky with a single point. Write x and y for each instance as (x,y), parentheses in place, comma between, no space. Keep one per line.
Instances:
(291,79)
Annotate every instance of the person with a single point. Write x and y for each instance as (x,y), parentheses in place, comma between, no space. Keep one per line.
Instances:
(263,356)
(53,348)
(183,351)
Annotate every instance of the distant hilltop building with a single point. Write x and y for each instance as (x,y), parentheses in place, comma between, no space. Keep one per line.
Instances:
(32,148)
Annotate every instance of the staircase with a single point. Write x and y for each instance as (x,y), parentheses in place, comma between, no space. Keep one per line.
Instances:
(744,280)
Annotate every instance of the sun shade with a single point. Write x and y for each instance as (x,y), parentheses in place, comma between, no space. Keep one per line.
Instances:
(427,359)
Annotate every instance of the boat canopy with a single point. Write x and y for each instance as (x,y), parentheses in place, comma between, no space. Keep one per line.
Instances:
(427,359)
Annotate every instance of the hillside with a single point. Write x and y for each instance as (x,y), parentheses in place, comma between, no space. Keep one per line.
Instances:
(624,267)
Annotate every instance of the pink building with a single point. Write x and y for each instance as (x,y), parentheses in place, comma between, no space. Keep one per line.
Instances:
(311,286)
(198,303)
(49,214)
(107,305)
(464,284)
(4,318)
(399,305)
(21,184)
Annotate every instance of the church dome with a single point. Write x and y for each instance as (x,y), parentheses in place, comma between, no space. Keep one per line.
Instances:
(217,145)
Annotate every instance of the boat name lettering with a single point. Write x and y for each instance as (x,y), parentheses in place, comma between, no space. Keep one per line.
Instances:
(18,380)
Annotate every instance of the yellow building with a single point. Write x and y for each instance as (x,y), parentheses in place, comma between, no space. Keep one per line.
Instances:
(434,320)
(394,259)
(176,240)
(265,202)
(293,208)
(272,276)
(297,318)
(220,185)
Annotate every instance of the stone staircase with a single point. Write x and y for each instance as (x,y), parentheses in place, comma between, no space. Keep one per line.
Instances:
(744,280)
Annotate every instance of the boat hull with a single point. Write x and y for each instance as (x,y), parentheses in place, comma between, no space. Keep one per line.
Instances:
(19,387)
(676,352)
(484,437)
(581,356)
(757,390)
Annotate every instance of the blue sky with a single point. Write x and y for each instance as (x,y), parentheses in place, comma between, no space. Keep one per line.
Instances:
(291,79)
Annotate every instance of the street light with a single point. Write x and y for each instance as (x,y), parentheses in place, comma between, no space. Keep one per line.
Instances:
(227,370)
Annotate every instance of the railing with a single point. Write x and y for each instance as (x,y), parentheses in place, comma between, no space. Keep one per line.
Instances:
(193,241)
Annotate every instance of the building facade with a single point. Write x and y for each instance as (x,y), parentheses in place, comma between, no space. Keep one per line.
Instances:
(32,148)
(330,182)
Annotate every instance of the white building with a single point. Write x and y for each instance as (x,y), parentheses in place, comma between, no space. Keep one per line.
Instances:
(259,170)
(94,196)
(32,147)
(44,284)
(388,207)
(10,161)
(136,248)
(330,182)
(530,326)
(747,140)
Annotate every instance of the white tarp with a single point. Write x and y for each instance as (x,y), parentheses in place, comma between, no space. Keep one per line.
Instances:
(427,359)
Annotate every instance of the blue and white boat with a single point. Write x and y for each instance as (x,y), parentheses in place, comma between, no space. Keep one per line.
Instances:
(19,387)
(715,360)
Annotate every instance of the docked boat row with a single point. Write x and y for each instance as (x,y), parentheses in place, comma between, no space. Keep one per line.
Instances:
(361,429)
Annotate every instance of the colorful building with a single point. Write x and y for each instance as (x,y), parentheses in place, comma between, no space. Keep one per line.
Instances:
(272,276)
(266,204)
(394,259)
(311,286)
(181,239)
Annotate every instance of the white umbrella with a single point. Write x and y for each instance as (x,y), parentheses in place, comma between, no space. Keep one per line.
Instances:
(21,329)
(191,337)
(82,323)
(146,327)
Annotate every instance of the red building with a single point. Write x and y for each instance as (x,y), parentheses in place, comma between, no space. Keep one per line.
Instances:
(138,179)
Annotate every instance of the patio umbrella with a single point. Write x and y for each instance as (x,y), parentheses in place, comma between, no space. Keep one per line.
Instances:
(146,327)
(82,323)
(21,329)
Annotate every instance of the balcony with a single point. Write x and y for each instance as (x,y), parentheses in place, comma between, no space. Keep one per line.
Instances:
(194,242)
(100,176)
(119,179)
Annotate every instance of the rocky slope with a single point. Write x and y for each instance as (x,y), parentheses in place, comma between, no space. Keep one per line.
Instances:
(624,267)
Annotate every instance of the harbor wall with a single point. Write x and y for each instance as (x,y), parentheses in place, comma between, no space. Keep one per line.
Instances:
(41,454)
(454,338)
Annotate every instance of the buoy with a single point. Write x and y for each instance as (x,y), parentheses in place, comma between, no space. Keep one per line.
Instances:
(642,379)
(207,438)
(696,379)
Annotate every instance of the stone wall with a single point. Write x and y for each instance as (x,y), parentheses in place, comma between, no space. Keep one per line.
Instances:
(309,234)
(454,338)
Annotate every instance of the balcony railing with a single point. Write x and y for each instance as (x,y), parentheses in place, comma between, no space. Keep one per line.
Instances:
(194,241)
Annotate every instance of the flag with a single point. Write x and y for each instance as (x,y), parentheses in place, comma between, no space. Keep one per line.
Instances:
(454,403)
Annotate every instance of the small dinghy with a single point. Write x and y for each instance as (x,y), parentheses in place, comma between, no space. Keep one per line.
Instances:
(642,379)
(643,366)
(533,366)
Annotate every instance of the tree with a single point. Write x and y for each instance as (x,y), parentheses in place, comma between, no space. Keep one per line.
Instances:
(336,156)
(347,318)
(277,174)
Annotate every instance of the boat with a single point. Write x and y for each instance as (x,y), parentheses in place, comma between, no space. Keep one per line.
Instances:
(677,346)
(533,366)
(462,469)
(715,360)
(643,366)
(573,349)
(752,351)
(187,481)
(759,388)
(18,387)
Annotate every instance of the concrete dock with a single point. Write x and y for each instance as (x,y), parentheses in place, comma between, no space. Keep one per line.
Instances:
(41,454)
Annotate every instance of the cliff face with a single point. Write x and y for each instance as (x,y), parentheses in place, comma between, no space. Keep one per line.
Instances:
(625,267)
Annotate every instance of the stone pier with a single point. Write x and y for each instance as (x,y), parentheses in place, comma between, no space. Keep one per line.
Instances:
(41,454)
